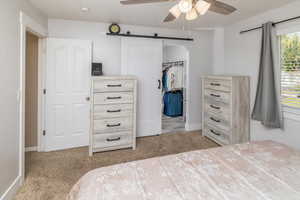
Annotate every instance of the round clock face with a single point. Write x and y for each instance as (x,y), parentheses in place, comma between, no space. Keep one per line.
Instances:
(114,28)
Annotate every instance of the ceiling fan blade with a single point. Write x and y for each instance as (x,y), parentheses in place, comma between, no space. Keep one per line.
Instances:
(220,7)
(132,2)
(170,18)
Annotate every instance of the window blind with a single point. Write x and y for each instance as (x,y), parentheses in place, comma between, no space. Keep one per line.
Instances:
(290,83)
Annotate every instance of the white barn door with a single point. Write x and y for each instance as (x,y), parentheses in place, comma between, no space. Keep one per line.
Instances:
(68,83)
(143,58)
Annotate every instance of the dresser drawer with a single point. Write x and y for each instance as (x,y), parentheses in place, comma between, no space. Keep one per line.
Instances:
(217,95)
(113,111)
(110,140)
(220,85)
(217,121)
(216,134)
(113,98)
(113,85)
(112,125)
(218,109)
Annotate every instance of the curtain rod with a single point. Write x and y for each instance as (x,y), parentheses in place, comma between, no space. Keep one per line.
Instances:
(279,22)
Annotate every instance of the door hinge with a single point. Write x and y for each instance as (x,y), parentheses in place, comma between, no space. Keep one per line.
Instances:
(44,132)
(44,91)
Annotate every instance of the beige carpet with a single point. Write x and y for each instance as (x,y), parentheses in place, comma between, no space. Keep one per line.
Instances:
(52,175)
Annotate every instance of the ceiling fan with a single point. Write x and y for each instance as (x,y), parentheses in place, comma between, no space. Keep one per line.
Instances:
(191,8)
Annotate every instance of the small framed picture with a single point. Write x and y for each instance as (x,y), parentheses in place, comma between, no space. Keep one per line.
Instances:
(97,69)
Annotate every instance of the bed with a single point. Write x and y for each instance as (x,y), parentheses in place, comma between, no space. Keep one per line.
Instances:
(258,170)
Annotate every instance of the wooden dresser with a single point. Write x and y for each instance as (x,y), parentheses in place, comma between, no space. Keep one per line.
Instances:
(113,113)
(226,109)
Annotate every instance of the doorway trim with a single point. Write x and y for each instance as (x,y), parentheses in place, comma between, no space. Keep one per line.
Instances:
(27,24)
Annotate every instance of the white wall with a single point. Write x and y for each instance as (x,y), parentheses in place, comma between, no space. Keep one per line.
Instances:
(174,53)
(219,57)
(107,49)
(34,13)
(9,85)
(242,53)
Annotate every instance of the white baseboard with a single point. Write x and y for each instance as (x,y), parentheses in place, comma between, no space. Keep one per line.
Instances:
(193,127)
(28,149)
(12,190)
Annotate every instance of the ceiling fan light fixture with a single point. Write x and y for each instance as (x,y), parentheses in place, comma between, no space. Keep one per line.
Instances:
(202,7)
(175,11)
(192,15)
(85,9)
(185,5)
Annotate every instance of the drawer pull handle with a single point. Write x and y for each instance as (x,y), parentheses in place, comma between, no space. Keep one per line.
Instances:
(114,111)
(112,98)
(215,84)
(119,85)
(215,133)
(113,140)
(113,125)
(214,95)
(215,107)
(215,120)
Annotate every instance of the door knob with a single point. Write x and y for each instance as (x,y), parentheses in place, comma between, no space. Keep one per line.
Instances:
(88,98)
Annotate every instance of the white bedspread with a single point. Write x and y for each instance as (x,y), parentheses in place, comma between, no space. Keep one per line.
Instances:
(259,170)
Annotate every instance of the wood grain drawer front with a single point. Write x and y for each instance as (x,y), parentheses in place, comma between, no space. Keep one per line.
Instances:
(112,125)
(113,85)
(226,108)
(220,110)
(217,134)
(113,98)
(109,140)
(113,111)
(217,96)
(220,85)
(217,121)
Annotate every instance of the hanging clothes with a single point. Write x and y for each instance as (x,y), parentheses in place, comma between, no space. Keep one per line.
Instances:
(165,80)
(175,78)
(173,104)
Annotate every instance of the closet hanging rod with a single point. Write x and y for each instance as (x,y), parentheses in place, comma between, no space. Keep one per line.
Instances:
(169,65)
(279,22)
(175,62)
(150,36)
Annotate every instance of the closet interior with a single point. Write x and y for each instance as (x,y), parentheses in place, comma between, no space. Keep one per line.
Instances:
(174,89)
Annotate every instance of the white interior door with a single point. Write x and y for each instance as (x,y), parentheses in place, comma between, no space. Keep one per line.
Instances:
(68,82)
(143,58)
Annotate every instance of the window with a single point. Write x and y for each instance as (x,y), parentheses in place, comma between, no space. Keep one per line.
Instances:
(290,70)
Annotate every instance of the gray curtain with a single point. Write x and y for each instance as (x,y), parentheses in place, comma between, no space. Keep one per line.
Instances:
(267,108)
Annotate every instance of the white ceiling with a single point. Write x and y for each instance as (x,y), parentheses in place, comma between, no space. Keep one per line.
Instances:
(149,14)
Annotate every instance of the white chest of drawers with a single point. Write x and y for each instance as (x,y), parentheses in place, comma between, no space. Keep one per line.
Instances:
(226,109)
(113,113)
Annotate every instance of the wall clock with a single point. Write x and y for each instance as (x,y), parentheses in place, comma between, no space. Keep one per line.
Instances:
(114,29)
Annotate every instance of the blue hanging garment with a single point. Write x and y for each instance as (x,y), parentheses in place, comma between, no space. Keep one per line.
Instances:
(164,80)
(173,104)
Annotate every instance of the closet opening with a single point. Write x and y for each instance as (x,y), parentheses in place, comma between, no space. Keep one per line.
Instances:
(31,96)
(174,93)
